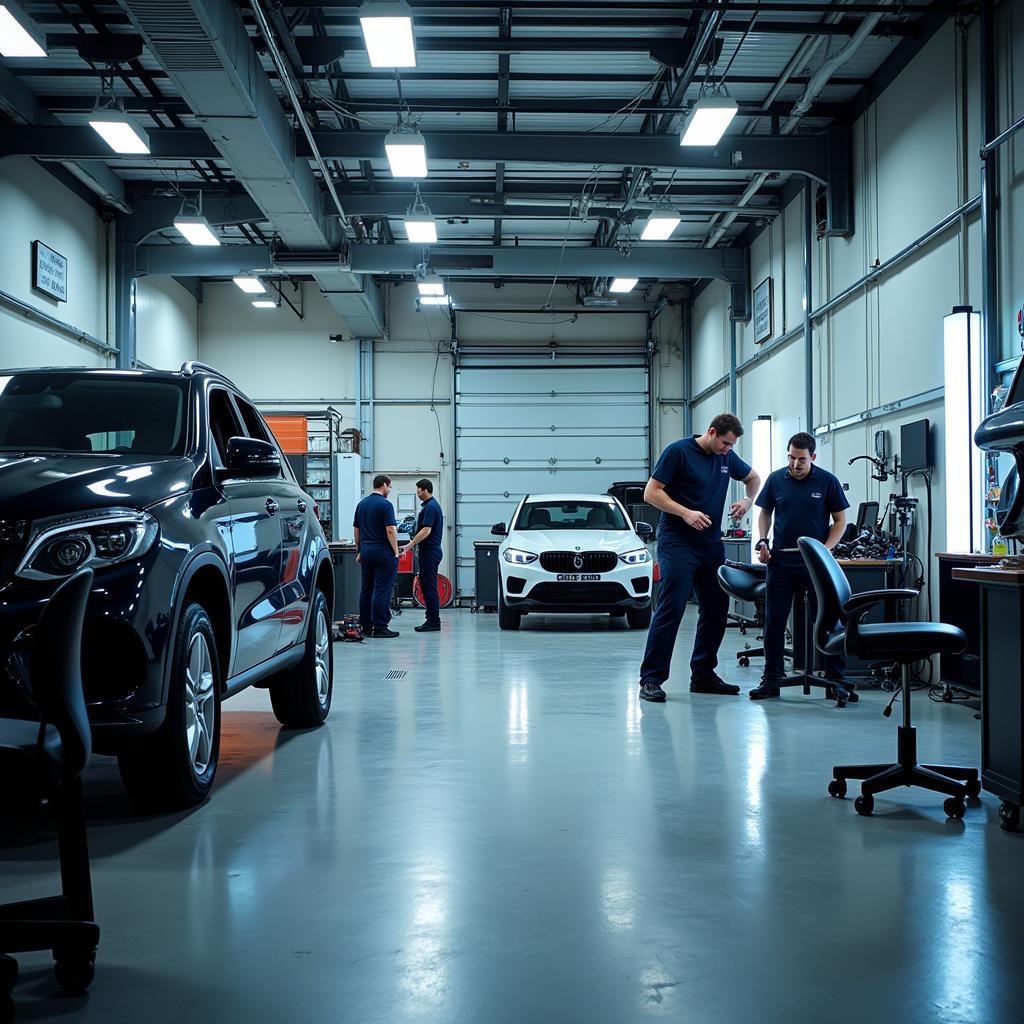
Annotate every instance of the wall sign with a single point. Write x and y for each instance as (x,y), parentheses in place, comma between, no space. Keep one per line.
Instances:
(49,271)
(763,311)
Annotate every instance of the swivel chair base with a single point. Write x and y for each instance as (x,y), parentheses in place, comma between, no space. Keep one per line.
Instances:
(957,783)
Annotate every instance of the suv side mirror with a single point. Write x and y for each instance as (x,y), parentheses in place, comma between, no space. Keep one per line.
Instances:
(250,457)
(498,529)
(644,531)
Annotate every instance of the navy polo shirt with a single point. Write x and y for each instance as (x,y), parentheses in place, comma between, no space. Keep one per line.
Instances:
(802,508)
(700,481)
(432,516)
(374,514)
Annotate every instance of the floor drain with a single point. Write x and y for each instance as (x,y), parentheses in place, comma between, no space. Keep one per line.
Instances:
(396,673)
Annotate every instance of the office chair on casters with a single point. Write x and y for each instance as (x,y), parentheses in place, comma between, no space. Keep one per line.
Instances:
(54,752)
(900,642)
(745,582)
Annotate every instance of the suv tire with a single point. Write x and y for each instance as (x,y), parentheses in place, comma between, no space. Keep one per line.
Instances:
(639,618)
(508,618)
(301,696)
(175,767)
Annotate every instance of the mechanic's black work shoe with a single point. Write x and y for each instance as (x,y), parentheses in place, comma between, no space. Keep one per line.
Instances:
(848,693)
(426,627)
(652,692)
(712,684)
(384,634)
(764,690)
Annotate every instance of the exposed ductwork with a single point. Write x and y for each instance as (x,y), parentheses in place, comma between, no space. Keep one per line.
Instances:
(207,53)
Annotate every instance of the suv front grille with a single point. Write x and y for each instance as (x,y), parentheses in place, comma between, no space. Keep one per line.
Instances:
(578,593)
(565,561)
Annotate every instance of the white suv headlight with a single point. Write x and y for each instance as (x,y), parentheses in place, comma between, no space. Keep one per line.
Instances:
(517,557)
(95,540)
(637,557)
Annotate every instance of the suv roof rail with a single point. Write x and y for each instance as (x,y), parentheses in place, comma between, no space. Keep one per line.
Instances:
(194,366)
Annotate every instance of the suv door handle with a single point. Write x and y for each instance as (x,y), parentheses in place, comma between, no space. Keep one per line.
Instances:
(272,506)
(302,505)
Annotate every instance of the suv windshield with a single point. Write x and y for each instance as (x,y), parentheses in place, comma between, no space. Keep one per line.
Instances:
(93,414)
(570,515)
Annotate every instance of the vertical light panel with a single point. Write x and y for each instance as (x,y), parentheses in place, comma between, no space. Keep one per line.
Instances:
(965,463)
(761,463)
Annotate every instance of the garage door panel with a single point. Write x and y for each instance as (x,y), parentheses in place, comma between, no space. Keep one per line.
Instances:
(507,447)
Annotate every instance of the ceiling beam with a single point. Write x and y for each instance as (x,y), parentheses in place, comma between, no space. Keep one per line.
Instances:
(746,153)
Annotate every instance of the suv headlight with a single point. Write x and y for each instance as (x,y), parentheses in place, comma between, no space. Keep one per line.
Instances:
(517,557)
(60,547)
(637,557)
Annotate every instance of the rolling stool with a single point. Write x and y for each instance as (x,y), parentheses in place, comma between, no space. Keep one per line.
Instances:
(746,582)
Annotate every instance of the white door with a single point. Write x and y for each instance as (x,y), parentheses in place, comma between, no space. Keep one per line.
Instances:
(570,426)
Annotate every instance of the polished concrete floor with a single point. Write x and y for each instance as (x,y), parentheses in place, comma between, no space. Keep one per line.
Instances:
(506,834)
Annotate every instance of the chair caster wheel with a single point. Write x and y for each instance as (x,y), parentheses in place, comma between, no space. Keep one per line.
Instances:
(837,788)
(74,973)
(974,789)
(955,808)
(744,662)
(1009,817)
(864,805)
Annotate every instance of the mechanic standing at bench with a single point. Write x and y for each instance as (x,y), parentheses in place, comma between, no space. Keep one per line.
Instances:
(802,497)
(689,485)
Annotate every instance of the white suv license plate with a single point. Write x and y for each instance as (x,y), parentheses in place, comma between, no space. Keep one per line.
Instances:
(575,577)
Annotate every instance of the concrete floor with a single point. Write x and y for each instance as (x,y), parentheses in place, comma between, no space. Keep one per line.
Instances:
(507,834)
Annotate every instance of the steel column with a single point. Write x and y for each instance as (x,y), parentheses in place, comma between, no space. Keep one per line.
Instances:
(808,298)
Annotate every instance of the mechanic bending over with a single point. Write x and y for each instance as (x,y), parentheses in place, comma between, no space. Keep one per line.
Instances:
(802,497)
(689,485)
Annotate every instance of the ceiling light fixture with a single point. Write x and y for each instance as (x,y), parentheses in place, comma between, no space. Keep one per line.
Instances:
(432,286)
(435,300)
(708,120)
(659,227)
(387,30)
(192,225)
(249,285)
(622,284)
(264,303)
(119,130)
(420,228)
(20,36)
(407,152)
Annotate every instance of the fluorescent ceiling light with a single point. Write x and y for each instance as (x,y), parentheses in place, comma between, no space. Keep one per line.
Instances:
(623,284)
(430,287)
(119,131)
(421,228)
(435,300)
(407,154)
(659,227)
(264,303)
(196,230)
(387,29)
(708,121)
(761,462)
(19,34)
(250,285)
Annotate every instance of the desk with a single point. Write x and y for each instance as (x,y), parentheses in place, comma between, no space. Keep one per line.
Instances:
(960,606)
(1001,632)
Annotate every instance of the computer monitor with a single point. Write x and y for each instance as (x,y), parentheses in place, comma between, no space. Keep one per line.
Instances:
(867,515)
(915,447)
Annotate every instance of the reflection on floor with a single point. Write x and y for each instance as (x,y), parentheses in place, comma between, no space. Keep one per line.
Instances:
(507,834)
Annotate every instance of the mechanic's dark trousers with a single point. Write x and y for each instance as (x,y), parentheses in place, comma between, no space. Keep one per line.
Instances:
(685,567)
(788,579)
(428,563)
(379,569)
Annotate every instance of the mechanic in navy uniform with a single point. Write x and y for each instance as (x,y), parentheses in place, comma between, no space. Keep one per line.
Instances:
(803,498)
(376,533)
(427,537)
(689,485)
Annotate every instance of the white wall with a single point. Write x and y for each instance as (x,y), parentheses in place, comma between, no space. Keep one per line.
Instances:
(884,344)
(166,325)
(34,205)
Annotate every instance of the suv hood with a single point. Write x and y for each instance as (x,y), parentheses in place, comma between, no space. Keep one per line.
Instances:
(36,486)
(569,540)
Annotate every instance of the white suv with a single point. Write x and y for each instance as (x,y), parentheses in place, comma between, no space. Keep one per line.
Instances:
(574,553)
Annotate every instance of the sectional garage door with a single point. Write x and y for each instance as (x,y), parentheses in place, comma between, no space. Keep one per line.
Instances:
(578,425)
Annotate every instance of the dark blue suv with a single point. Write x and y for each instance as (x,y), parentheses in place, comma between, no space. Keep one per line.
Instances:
(212,571)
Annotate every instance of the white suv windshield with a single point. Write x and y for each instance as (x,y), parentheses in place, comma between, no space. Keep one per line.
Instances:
(570,515)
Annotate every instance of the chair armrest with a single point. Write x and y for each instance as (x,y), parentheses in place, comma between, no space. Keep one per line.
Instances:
(864,600)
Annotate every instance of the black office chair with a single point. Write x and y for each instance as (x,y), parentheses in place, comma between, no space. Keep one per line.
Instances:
(900,642)
(746,582)
(53,753)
